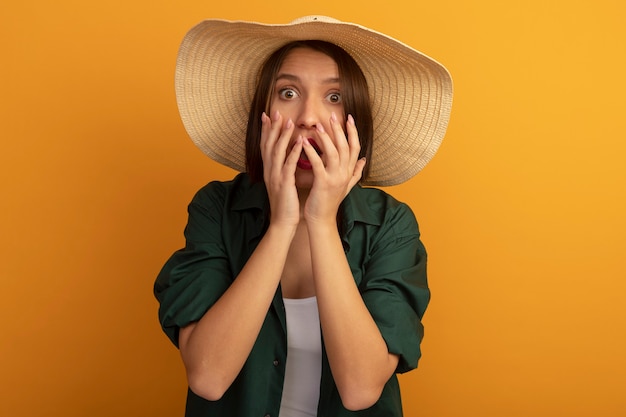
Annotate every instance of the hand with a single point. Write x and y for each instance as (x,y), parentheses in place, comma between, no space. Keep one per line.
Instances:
(279,169)
(341,171)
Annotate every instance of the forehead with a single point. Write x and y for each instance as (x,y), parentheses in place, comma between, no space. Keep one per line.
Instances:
(310,61)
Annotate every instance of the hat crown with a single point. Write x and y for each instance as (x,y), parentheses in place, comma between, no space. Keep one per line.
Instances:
(314,18)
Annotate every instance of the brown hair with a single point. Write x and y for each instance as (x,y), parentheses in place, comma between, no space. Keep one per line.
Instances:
(354,93)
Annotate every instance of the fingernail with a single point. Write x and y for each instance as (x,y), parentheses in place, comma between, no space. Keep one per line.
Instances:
(289,124)
(276,115)
(320,128)
(333,117)
(350,119)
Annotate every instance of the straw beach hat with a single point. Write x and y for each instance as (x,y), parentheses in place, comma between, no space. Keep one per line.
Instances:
(219,62)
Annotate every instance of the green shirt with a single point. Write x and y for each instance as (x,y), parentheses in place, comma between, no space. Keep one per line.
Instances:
(226,222)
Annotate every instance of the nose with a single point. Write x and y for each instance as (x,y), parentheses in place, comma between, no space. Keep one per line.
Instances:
(309,114)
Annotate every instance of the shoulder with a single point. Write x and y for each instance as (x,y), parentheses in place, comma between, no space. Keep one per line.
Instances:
(217,189)
(226,206)
(236,192)
(378,208)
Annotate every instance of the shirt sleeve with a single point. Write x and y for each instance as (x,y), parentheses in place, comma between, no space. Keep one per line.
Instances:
(194,278)
(394,286)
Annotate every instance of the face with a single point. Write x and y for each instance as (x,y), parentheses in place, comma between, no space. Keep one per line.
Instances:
(308,91)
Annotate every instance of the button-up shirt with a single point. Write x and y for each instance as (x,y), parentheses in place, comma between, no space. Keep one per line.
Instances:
(382,245)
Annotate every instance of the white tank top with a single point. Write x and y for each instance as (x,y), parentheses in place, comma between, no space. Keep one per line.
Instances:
(303,369)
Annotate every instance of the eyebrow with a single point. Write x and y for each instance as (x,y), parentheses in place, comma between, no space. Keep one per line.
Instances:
(295,78)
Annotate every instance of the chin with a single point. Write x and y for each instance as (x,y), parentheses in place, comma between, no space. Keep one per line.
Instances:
(304,179)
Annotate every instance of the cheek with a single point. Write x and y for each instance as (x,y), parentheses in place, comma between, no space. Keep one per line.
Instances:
(342,118)
(280,106)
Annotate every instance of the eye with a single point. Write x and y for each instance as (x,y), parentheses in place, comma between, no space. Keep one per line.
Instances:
(334,98)
(287,93)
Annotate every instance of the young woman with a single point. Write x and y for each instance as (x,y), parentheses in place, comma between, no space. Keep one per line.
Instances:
(299,292)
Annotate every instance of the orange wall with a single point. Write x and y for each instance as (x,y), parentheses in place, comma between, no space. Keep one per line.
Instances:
(522,210)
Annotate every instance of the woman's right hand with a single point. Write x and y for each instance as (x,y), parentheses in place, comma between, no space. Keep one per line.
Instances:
(279,168)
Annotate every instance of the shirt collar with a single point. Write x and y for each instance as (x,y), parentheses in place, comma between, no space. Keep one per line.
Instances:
(251,195)
(357,208)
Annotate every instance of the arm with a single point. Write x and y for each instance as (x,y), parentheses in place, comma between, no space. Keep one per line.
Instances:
(358,356)
(215,348)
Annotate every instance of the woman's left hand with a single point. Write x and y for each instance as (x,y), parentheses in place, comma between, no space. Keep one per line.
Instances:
(334,177)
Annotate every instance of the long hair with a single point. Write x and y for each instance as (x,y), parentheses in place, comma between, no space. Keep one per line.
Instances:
(354,92)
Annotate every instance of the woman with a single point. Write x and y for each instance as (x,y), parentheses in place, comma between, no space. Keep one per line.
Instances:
(300,293)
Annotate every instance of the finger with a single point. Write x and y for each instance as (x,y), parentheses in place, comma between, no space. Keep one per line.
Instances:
(272,132)
(265,127)
(340,141)
(273,158)
(292,158)
(353,139)
(358,173)
(316,162)
(326,146)
(280,147)
(267,133)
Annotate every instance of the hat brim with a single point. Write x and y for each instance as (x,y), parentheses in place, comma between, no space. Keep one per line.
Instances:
(216,75)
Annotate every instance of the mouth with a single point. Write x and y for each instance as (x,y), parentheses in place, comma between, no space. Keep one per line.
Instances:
(315,146)
(303,162)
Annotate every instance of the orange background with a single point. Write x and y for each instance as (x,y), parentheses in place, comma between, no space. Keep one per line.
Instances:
(522,210)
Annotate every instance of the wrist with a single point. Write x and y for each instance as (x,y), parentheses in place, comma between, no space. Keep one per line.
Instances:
(281,230)
(322,226)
